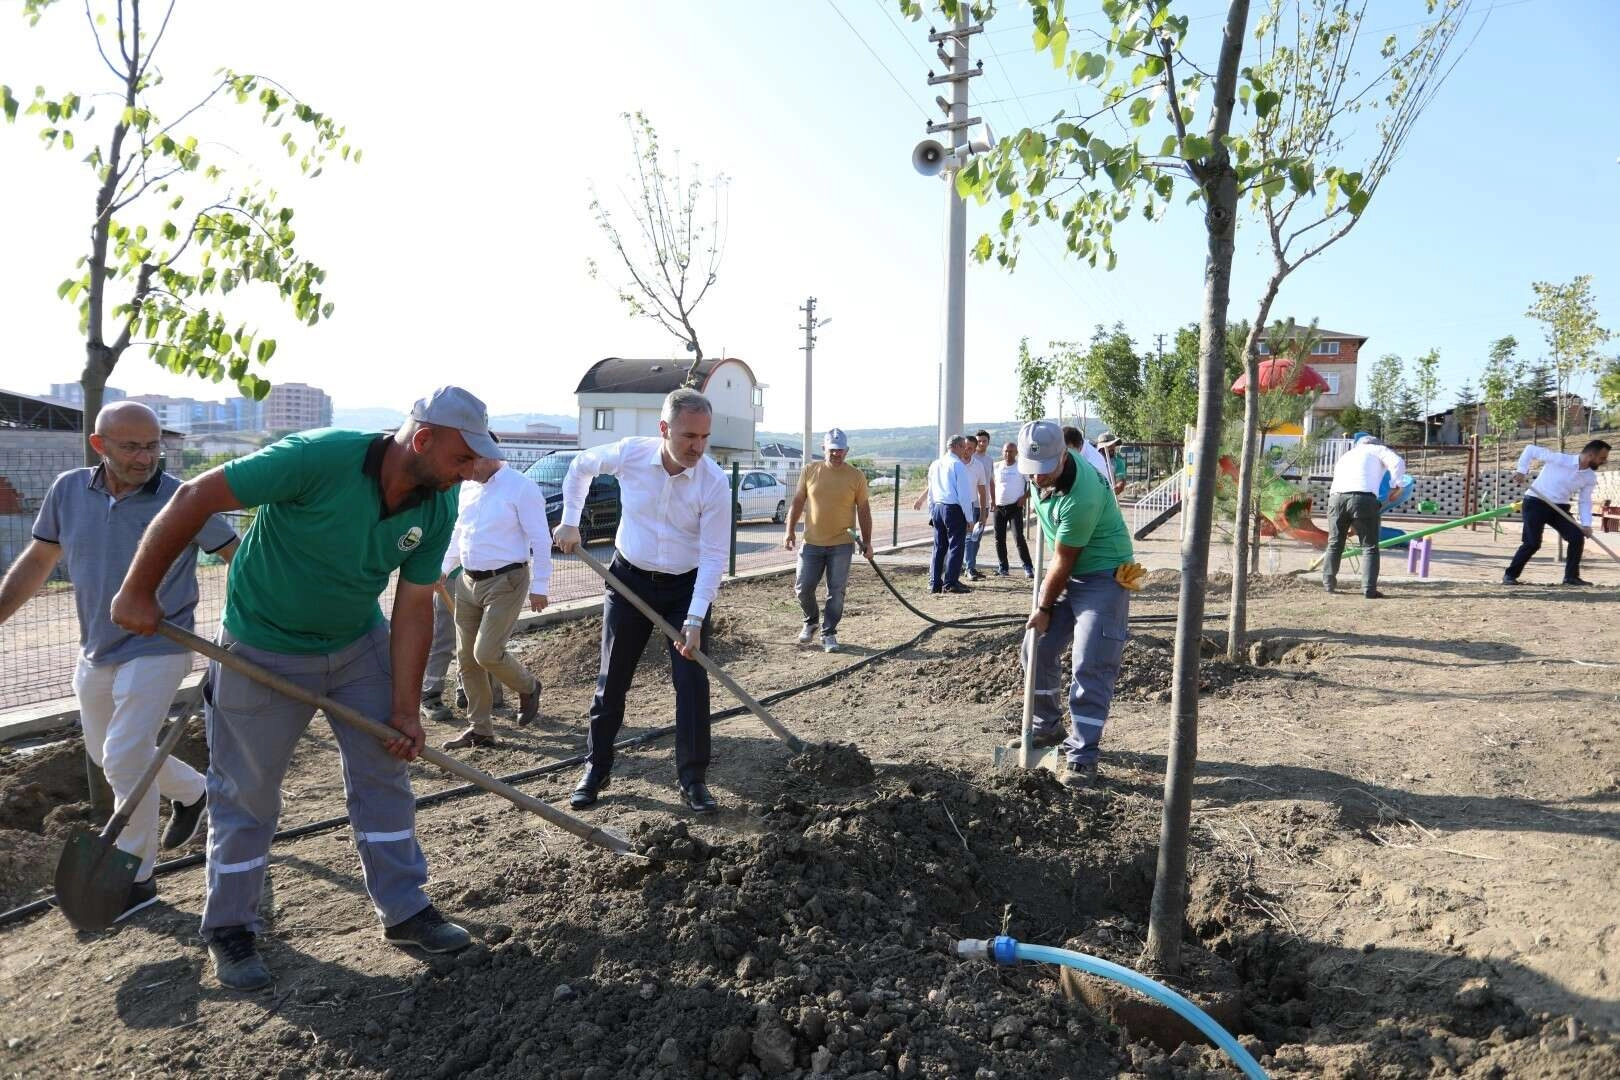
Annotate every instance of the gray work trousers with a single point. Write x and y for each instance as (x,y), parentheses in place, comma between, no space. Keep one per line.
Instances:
(252,732)
(1363,510)
(814,561)
(444,646)
(1094,613)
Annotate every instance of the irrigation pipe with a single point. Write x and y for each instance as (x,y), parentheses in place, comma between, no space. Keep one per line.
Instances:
(1005,950)
(972,622)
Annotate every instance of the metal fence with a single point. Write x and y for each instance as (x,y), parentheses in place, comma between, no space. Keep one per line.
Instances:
(39,644)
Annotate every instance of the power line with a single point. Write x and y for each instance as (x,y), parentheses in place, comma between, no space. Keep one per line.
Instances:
(832,4)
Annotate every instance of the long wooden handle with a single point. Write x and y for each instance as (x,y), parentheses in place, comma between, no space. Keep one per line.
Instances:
(795,743)
(591,834)
(120,818)
(1567,516)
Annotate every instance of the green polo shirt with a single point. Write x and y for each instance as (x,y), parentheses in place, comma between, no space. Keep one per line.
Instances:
(322,546)
(1084,516)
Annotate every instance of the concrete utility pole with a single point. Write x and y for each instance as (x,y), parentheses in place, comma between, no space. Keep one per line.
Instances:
(809,349)
(958,73)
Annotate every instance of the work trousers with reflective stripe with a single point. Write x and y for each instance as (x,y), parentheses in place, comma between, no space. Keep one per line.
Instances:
(1094,613)
(122,706)
(252,732)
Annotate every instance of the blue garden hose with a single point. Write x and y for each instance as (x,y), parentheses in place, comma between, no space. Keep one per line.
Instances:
(1006,950)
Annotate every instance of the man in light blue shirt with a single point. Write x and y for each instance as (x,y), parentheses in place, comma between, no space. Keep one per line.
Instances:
(954,505)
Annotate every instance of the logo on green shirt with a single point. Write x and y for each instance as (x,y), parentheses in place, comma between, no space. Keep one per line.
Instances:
(412,537)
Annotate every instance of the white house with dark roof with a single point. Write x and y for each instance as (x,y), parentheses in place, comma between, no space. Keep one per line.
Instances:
(620,397)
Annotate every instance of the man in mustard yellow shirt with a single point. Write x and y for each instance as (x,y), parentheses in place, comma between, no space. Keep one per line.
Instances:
(831,495)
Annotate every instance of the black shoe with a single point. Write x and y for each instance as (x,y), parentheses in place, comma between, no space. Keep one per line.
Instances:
(237,963)
(698,798)
(974,575)
(590,785)
(529,706)
(1001,571)
(184,820)
(428,931)
(471,738)
(461,698)
(434,708)
(957,587)
(1373,595)
(935,590)
(1330,587)
(142,894)
(1509,580)
(1575,581)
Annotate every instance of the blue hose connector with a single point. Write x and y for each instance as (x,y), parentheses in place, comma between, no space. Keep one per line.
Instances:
(1007,950)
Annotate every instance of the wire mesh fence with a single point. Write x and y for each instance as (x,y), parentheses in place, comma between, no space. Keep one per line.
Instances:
(39,644)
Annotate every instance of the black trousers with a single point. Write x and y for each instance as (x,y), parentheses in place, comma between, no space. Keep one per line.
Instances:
(1012,514)
(1537,516)
(625,632)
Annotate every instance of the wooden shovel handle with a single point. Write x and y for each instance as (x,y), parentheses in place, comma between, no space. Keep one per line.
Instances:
(591,834)
(1565,514)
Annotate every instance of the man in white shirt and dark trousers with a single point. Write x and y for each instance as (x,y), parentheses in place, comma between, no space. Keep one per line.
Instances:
(983,472)
(673,539)
(500,527)
(1012,494)
(1564,478)
(1354,498)
(953,506)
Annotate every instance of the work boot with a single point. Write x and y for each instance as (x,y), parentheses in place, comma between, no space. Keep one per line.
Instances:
(590,784)
(1077,777)
(184,820)
(237,964)
(472,737)
(529,706)
(142,894)
(434,708)
(428,931)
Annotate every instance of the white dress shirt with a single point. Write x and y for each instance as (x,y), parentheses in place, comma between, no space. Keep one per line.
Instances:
(1010,484)
(499,523)
(1561,479)
(949,482)
(1089,451)
(667,524)
(1362,468)
(983,471)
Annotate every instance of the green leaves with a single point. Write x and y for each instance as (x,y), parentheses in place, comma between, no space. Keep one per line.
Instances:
(1265,102)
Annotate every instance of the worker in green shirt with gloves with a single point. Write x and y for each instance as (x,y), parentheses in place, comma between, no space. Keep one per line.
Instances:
(1084,597)
(339,512)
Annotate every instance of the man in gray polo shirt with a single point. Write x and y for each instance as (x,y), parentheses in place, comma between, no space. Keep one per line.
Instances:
(125,684)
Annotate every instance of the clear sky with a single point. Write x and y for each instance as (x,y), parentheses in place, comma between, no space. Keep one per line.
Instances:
(457,250)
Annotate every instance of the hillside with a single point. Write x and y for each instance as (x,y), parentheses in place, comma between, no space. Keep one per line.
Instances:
(903,443)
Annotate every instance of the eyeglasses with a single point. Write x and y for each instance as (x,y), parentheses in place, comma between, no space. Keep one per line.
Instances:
(137,447)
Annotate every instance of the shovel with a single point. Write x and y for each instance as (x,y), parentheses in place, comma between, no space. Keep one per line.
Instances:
(1565,514)
(591,834)
(795,743)
(93,876)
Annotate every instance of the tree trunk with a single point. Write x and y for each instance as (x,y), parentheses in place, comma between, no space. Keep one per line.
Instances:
(1169,907)
(98,366)
(1237,612)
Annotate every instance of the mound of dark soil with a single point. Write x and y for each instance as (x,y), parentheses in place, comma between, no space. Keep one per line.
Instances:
(571,652)
(834,764)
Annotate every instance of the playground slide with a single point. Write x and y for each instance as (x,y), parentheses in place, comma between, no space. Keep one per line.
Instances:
(1285,509)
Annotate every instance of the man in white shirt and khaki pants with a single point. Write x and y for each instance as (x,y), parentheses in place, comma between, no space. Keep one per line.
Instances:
(1563,478)
(673,539)
(500,527)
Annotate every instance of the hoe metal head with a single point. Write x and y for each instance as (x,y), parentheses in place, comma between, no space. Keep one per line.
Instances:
(93,878)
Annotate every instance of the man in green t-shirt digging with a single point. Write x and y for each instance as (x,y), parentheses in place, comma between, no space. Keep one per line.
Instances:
(1083,598)
(339,511)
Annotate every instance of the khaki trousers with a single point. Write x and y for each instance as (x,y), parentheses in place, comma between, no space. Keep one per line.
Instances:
(486,612)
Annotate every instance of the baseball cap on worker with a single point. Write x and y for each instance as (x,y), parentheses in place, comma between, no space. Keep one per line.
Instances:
(1106,440)
(453,407)
(835,439)
(1040,448)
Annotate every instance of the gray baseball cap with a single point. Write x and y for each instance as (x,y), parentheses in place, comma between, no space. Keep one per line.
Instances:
(453,407)
(1040,447)
(836,439)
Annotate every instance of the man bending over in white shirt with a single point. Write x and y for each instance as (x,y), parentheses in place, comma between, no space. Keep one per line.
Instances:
(1563,478)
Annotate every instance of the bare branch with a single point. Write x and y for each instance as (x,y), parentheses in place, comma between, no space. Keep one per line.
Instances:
(150,53)
(100,48)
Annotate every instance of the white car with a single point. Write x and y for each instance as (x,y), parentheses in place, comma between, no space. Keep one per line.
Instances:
(761,495)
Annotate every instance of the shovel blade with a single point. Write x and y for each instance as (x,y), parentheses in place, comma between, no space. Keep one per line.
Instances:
(93,878)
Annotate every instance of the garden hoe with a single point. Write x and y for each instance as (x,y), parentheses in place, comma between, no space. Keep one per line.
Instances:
(794,743)
(93,876)
(591,834)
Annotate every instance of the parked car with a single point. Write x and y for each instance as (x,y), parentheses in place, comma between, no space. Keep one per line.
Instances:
(761,495)
(600,518)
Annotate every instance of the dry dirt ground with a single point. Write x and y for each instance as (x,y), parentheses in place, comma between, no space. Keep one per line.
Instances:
(1404,858)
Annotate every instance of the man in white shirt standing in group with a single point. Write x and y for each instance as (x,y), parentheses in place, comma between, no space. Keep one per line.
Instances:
(1012,497)
(503,545)
(673,539)
(1563,478)
(983,472)
(1353,498)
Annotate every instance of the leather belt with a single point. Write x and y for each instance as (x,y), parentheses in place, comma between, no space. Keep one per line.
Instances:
(485,575)
(621,564)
